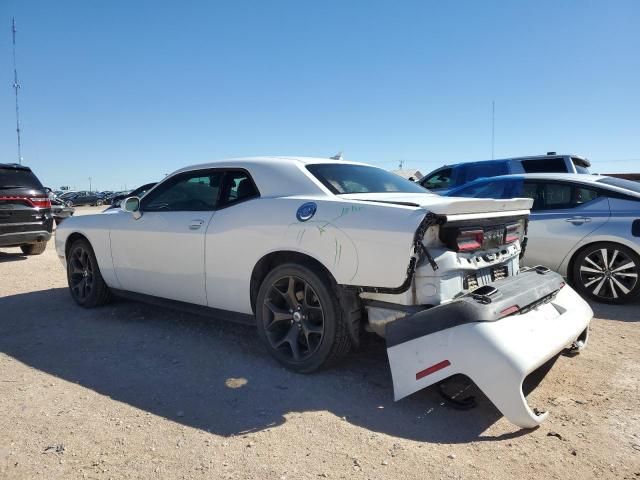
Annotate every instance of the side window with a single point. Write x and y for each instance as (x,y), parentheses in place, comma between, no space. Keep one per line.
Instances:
(532,190)
(187,192)
(471,171)
(494,189)
(545,165)
(584,195)
(238,186)
(557,195)
(440,179)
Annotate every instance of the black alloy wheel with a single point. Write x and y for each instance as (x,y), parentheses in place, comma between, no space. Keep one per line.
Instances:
(295,318)
(300,319)
(85,281)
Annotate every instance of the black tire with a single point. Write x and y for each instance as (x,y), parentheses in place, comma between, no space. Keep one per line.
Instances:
(33,248)
(85,281)
(99,203)
(69,203)
(313,295)
(607,272)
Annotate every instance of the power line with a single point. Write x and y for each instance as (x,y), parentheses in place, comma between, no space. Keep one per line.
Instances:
(16,87)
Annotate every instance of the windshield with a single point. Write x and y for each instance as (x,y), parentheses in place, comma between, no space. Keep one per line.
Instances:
(621,183)
(343,178)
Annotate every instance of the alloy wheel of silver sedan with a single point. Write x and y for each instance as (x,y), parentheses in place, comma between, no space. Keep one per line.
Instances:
(607,272)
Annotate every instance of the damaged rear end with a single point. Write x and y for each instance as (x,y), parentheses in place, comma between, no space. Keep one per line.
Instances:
(467,308)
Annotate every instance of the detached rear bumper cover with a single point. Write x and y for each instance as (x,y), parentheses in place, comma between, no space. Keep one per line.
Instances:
(497,354)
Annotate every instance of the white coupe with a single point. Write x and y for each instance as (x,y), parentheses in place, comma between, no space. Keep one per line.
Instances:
(315,251)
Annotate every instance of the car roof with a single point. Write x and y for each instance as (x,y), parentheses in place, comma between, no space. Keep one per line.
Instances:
(567,177)
(277,176)
(15,166)
(582,160)
(266,160)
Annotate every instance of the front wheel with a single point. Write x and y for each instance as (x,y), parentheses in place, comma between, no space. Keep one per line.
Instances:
(300,319)
(69,203)
(85,281)
(607,272)
(99,203)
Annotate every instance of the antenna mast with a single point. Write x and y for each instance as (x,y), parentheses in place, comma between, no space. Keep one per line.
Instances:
(493,127)
(16,87)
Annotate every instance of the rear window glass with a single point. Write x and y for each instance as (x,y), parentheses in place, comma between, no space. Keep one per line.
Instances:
(16,178)
(545,165)
(347,178)
(621,183)
(472,171)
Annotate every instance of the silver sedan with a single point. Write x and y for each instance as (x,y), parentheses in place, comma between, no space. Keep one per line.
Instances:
(587,227)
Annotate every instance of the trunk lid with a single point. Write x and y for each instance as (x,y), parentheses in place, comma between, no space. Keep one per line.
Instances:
(448,206)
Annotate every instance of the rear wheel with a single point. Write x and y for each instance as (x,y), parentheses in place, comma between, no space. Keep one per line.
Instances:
(607,272)
(99,203)
(34,248)
(300,319)
(69,203)
(85,281)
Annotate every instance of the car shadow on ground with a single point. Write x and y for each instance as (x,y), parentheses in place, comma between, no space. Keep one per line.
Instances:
(11,257)
(629,312)
(216,376)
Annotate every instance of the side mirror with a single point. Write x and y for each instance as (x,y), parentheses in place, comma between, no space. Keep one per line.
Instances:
(132,205)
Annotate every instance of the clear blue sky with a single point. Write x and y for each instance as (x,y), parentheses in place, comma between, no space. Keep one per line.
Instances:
(125,91)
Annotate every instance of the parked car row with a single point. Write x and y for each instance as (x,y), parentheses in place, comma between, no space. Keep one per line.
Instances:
(586,227)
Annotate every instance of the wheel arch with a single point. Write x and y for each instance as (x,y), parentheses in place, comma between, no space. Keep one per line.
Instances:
(72,238)
(271,260)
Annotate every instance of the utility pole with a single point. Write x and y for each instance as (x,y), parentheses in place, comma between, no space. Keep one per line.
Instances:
(16,87)
(493,128)
(90,184)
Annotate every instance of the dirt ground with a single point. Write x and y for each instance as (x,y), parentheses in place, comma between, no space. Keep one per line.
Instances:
(135,391)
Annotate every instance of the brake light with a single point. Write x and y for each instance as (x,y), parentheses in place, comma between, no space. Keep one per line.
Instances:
(514,232)
(469,240)
(36,202)
(40,202)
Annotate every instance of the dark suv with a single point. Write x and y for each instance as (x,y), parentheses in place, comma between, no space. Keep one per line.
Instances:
(25,210)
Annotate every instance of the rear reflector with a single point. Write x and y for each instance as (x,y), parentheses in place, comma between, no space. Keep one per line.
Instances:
(509,311)
(432,369)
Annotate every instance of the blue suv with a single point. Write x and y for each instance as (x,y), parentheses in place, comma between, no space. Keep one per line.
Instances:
(451,176)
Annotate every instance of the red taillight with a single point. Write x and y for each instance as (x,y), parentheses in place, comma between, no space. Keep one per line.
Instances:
(40,202)
(514,232)
(469,240)
(509,311)
(37,202)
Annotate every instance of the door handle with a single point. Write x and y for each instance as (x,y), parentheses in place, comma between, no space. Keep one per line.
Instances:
(578,220)
(195,224)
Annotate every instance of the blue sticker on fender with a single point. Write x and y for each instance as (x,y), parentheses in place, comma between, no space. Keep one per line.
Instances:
(306,211)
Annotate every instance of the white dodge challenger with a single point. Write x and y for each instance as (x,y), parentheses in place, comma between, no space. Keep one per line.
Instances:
(315,251)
